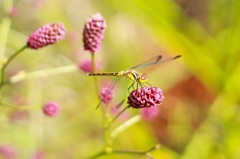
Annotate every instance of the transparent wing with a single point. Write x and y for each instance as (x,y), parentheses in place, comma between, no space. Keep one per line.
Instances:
(109,89)
(155,60)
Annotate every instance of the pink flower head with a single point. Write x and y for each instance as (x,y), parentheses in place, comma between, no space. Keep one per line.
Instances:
(13,12)
(106,95)
(145,97)
(93,32)
(51,109)
(150,112)
(38,155)
(86,66)
(7,151)
(46,35)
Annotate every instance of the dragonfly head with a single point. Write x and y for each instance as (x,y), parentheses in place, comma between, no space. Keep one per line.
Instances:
(143,78)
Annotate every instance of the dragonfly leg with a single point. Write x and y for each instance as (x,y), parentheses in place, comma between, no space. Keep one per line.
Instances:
(132,86)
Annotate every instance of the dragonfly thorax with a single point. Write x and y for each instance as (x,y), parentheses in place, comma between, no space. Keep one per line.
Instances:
(135,76)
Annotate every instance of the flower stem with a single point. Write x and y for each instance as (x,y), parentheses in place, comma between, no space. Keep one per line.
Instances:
(125,125)
(137,152)
(126,152)
(94,70)
(41,73)
(7,63)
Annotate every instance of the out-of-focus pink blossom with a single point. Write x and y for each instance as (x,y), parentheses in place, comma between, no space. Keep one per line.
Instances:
(106,95)
(7,152)
(86,66)
(51,109)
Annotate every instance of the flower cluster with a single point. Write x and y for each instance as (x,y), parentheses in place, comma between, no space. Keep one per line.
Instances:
(106,95)
(145,97)
(46,35)
(93,33)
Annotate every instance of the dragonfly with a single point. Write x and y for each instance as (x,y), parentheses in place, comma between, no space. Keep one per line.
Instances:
(132,74)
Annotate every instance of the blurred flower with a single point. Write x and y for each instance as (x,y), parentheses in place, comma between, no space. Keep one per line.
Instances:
(145,97)
(38,155)
(86,66)
(18,115)
(150,112)
(7,151)
(93,32)
(106,95)
(51,109)
(46,35)
(13,12)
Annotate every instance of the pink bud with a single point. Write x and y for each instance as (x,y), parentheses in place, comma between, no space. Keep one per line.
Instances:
(46,35)
(93,33)
(51,109)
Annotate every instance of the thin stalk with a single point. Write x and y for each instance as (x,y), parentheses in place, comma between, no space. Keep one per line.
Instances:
(94,70)
(136,152)
(125,125)
(8,61)
(42,73)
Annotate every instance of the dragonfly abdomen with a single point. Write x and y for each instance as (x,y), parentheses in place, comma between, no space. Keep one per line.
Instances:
(105,74)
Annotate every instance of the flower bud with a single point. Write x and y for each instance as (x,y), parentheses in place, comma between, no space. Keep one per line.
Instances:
(93,33)
(145,97)
(51,109)
(46,35)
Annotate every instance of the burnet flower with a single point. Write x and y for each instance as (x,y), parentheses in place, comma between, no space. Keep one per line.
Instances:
(46,35)
(106,95)
(7,151)
(86,66)
(93,32)
(145,97)
(51,109)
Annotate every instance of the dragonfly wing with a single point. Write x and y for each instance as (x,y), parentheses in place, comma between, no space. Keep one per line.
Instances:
(109,89)
(148,62)
(155,60)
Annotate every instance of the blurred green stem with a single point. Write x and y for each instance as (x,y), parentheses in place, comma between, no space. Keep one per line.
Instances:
(20,107)
(42,73)
(125,125)
(7,63)
(145,153)
(94,70)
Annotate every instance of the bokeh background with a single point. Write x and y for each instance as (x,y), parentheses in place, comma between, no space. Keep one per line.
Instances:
(200,116)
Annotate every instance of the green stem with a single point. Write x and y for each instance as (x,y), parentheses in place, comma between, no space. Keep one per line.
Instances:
(21,107)
(136,152)
(41,73)
(94,70)
(125,125)
(126,152)
(98,155)
(7,63)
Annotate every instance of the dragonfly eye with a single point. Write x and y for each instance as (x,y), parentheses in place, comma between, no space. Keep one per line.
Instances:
(143,78)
